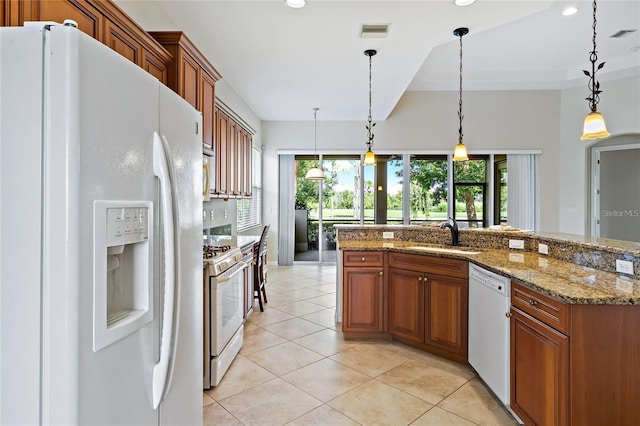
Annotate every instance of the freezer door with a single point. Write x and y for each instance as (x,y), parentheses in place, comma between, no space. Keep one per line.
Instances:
(102,112)
(180,126)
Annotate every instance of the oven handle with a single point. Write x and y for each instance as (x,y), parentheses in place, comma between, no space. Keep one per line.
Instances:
(244,265)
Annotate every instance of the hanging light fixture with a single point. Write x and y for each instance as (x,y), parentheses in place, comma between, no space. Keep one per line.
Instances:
(315,173)
(369,156)
(460,152)
(594,127)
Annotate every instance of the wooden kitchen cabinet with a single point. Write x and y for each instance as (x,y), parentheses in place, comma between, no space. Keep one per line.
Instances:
(102,20)
(193,77)
(428,303)
(539,371)
(233,162)
(363,293)
(406,304)
(573,364)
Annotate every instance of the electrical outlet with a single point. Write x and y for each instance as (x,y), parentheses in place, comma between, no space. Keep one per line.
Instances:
(516,244)
(624,266)
(543,249)
(225,213)
(211,214)
(387,234)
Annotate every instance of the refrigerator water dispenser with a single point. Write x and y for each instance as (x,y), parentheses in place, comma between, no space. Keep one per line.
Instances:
(122,285)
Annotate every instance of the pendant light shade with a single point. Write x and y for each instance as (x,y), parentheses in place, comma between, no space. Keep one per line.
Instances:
(369,156)
(315,173)
(594,127)
(296,4)
(460,151)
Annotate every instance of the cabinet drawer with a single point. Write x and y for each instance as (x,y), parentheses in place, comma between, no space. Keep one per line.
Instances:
(551,312)
(430,264)
(363,258)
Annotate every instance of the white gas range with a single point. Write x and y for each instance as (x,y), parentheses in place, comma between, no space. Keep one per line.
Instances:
(223,309)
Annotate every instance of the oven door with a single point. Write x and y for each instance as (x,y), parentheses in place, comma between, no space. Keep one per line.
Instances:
(227,303)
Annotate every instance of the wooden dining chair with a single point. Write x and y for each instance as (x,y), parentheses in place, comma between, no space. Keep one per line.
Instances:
(260,270)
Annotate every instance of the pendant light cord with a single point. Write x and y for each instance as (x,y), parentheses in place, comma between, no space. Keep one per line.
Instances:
(593,85)
(315,132)
(460,116)
(369,120)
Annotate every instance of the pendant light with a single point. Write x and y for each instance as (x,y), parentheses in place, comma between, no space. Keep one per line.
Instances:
(369,156)
(460,152)
(296,4)
(315,173)
(594,127)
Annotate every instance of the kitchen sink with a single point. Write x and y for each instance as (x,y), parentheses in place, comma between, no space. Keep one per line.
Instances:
(444,250)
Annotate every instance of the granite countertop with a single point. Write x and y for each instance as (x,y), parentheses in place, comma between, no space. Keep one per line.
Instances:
(563,281)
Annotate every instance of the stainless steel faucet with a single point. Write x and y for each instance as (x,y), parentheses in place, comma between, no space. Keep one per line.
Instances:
(455,233)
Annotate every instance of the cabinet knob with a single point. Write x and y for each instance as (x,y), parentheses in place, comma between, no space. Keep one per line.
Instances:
(419,278)
(532,302)
(380,273)
(363,258)
(508,314)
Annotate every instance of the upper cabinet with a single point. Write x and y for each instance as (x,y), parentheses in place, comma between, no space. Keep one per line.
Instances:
(102,20)
(192,76)
(233,163)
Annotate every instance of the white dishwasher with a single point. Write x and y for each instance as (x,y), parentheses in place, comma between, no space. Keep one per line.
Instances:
(489,303)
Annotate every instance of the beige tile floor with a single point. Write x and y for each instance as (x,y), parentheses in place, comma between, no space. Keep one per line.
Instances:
(295,368)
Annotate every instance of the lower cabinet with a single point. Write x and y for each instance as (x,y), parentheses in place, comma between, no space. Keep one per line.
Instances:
(573,364)
(416,303)
(428,309)
(363,298)
(363,292)
(539,371)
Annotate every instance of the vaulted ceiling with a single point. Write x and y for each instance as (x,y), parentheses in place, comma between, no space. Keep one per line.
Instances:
(283,62)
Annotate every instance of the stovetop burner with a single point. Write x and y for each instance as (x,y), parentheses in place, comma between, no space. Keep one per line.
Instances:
(209,252)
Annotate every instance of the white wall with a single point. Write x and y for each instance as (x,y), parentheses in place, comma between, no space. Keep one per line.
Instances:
(620,106)
(428,121)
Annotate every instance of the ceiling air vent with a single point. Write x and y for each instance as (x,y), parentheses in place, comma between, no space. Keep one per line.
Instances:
(622,33)
(374,30)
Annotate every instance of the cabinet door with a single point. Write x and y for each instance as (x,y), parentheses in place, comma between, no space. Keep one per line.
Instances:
(117,39)
(248,165)
(362,300)
(221,182)
(207,102)
(88,18)
(406,304)
(188,79)
(539,371)
(155,66)
(447,313)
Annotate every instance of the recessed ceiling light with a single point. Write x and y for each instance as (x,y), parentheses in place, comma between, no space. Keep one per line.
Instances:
(296,4)
(571,10)
(463,3)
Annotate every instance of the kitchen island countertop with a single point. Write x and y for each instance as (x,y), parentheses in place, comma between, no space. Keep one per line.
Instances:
(563,281)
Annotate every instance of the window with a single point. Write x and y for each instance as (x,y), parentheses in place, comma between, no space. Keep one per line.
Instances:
(250,209)
(500,181)
(428,189)
(469,192)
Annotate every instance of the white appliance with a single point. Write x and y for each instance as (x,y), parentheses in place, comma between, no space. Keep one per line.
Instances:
(489,334)
(224,289)
(100,226)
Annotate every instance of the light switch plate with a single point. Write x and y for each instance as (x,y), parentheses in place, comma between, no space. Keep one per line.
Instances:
(387,234)
(516,244)
(624,266)
(543,249)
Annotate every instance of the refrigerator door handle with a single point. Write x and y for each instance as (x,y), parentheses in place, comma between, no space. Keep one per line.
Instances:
(161,369)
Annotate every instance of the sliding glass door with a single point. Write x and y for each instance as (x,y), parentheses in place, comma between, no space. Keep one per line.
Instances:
(322,204)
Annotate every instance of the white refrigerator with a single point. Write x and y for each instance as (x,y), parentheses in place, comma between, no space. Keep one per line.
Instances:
(100,237)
